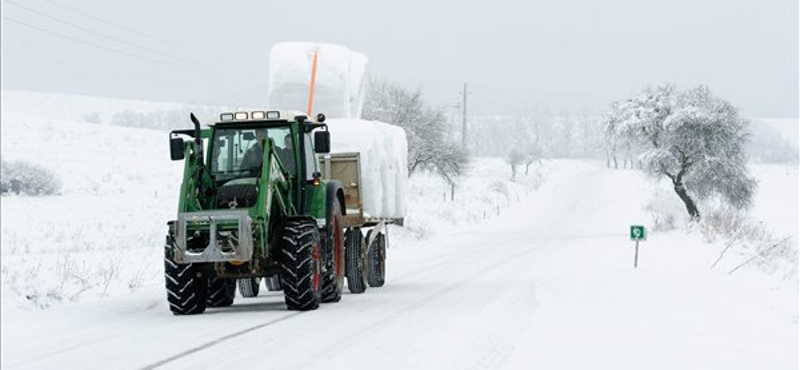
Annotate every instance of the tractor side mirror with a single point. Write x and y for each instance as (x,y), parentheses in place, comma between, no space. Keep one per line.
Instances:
(322,142)
(176,150)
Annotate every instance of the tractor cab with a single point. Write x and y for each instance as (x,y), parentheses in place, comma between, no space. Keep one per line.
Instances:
(240,140)
(244,150)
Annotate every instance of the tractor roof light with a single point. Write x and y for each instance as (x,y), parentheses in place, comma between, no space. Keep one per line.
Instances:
(226,117)
(258,115)
(273,114)
(240,116)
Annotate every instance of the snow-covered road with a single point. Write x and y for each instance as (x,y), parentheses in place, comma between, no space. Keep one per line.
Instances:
(547,284)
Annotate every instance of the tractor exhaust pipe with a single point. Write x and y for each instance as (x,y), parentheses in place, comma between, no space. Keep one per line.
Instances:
(197,138)
(199,147)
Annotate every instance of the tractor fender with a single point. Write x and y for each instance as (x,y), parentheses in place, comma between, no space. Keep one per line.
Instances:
(333,191)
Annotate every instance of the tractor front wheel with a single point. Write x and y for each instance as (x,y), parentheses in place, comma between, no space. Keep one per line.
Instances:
(186,289)
(300,265)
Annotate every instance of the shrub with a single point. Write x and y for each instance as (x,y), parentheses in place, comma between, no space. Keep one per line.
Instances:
(26,178)
(749,240)
(92,117)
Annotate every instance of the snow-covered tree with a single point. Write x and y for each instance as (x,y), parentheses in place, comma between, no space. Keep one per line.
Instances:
(514,158)
(532,154)
(426,128)
(612,135)
(693,138)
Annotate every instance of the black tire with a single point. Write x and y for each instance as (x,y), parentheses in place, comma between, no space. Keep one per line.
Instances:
(273,283)
(301,265)
(249,287)
(221,292)
(355,254)
(333,268)
(186,290)
(376,259)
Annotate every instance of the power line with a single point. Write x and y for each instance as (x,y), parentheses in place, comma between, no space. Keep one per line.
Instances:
(89,30)
(87,15)
(132,55)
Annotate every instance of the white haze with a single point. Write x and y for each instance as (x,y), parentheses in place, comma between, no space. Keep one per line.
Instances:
(565,56)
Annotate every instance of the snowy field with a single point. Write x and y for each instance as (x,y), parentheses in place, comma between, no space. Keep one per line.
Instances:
(532,273)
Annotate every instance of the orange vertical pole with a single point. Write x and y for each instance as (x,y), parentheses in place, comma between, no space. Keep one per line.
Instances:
(311,86)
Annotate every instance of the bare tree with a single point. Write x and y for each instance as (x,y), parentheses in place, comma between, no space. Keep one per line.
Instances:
(426,128)
(514,158)
(611,132)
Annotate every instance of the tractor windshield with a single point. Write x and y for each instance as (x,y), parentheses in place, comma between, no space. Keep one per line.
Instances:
(238,152)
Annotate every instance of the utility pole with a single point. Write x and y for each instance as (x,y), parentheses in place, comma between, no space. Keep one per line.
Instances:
(464,118)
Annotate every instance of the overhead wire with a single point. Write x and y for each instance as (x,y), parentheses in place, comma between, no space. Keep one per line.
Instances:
(137,56)
(116,39)
(96,18)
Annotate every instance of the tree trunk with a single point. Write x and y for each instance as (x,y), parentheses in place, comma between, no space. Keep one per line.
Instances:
(526,168)
(687,200)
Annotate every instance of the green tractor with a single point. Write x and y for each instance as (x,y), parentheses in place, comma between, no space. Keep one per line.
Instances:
(253,205)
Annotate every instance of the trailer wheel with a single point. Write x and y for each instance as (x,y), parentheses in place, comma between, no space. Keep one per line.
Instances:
(186,291)
(355,251)
(221,292)
(249,287)
(300,265)
(273,283)
(333,273)
(376,258)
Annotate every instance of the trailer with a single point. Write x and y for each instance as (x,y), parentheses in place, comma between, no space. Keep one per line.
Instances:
(366,236)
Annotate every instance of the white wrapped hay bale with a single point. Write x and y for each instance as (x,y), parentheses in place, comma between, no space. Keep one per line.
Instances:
(339,81)
(384,170)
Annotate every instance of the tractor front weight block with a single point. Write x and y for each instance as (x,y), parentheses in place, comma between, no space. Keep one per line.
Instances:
(213,236)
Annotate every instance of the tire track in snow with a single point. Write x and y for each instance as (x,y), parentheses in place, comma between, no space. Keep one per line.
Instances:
(217,341)
(473,255)
(372,328)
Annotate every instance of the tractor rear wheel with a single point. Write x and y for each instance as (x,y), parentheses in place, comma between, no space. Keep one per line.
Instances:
(376,258)
(355,253)
(221,292)
(333,271)
(300,265)
(249,287)
(186,289)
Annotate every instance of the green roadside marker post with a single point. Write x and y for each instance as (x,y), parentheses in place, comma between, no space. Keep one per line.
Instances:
(637,234)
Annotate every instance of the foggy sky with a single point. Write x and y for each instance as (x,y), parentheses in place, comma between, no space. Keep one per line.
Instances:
(515,55)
